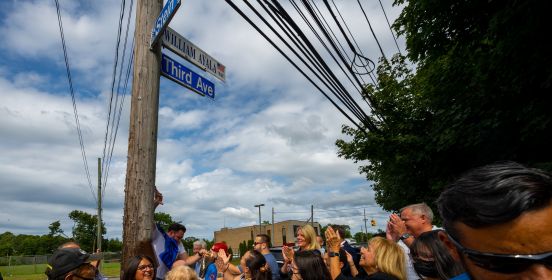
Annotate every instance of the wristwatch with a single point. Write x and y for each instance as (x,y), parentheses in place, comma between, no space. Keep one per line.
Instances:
(405,236)
(333,254)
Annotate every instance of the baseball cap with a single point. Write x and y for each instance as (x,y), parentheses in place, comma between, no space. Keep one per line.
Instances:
(67,259)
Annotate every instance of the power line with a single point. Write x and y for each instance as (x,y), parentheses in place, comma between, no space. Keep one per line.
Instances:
(372,30)
(388,24)
(79,132)
(239,11)
(117,115)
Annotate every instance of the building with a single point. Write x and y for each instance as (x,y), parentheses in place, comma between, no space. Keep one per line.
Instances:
(280,233)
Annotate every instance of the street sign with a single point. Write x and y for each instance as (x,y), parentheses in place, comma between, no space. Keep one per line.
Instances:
(185,49)
(163,20)
(186,77)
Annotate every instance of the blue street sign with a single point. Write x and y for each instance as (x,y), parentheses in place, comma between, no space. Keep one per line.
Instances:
(186,77)
(163,20)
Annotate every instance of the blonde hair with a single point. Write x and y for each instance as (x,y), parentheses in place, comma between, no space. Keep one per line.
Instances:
(389,257)
(181,272)
(310,237)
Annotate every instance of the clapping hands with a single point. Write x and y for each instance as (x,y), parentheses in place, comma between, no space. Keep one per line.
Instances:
(333,240)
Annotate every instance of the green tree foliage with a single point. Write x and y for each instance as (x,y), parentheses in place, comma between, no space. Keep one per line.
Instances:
(480,93)
(113,245)
(361,237)
(345,228)
(85,229)
(55,228)
(242,248)
(164,219)
(188,243)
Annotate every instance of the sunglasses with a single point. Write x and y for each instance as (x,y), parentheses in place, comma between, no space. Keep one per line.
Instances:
(504,263)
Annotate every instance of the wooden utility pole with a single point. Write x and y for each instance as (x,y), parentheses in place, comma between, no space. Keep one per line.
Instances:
(99,229)
(142,139)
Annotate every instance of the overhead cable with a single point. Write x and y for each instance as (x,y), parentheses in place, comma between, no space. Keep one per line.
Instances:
(77,122)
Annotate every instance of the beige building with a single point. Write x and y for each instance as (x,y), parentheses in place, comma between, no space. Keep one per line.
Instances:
(282,232)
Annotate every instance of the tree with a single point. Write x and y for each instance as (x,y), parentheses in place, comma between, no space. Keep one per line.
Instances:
(55,228)
(479,94)
(164,219)
(85,229)
(114,245)
(188,243)
(242,248)
(344,228)
(362,237)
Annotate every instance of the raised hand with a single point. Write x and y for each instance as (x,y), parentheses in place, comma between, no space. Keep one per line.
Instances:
(219,261)
(222,256)
(157,197)
(333,240)
(288,254)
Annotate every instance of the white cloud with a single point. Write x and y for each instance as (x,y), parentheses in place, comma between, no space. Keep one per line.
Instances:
(268,137)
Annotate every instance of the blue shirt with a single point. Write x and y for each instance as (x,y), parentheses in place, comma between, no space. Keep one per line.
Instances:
(463,276)
(271,260)
(211,272)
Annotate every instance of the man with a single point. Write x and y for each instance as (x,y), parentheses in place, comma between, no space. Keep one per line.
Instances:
(498,220)
(167,246)
(413,220)
(199,245)
(261,245)
(97,258)
(70,264)
(322,245)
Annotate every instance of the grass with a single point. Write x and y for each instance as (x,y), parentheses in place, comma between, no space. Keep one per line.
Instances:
(36,272)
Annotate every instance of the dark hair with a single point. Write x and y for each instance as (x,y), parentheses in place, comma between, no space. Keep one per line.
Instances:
(339,229)
(132,266)
(428,245)
(494,194)
(257,266)
(311,265)
(176,227)
(264,237)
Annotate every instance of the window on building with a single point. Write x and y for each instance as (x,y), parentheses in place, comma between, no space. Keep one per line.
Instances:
(295,228)
(284,241)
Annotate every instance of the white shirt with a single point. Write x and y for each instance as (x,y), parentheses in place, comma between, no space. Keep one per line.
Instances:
(158,243)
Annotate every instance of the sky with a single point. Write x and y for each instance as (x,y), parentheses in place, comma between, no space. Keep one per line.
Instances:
(267,137)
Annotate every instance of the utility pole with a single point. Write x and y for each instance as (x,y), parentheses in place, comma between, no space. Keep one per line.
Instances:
(99,234)
(312,215)
(272,235)
(365,227)
(142,140)
(259,206)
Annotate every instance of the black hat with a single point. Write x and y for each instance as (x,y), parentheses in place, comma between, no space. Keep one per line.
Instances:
(67,259)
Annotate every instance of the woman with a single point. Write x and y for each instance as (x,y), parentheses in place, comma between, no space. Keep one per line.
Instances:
(306,240)
(382,259)
(253,266)
(211,272)
(139,268)
(431,259)
(308,265)
(182,272)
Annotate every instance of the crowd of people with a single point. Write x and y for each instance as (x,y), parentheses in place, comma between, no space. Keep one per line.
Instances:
(496,225)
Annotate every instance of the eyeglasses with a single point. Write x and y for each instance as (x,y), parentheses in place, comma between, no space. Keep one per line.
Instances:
(145,266)
(504,263)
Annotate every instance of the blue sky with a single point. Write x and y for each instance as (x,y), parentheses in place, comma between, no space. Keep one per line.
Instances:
(268,136)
